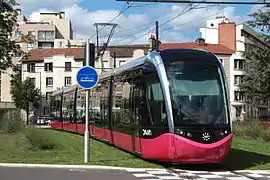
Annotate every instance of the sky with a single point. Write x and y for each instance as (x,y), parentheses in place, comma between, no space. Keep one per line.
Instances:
(177,22)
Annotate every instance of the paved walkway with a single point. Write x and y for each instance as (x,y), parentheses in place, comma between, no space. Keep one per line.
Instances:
(199,175)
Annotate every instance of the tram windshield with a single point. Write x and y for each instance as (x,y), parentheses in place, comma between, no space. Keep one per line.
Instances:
(197,92)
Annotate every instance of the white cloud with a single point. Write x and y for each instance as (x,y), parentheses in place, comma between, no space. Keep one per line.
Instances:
(31,5)
(83,20)
(34,16)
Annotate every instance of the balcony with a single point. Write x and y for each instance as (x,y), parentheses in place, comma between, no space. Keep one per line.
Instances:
(46,36)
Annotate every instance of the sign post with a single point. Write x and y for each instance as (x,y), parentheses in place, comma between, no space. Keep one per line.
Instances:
(87,78)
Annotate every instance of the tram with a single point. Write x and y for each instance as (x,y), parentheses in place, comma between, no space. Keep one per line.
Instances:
(168,106)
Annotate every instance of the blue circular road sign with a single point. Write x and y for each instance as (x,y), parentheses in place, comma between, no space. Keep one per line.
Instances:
(87,77)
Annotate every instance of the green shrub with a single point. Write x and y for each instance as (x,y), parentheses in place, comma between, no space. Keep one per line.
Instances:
(40,138)
(251,129)
(11,126)
(266,135)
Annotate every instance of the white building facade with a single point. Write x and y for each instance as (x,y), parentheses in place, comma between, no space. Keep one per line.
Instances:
(222,31)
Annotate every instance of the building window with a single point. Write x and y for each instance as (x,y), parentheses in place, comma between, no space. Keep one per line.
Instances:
(238,79)
(32,33)
(49,81)
(18,33)
(46,111)
(238,110)
(48,96)
(67,81)
(31,67)
(106,65)
(238,96)
(30,45)
(33,80)
(239,64)
(221,61)
(48,67)
(67,66)
(121,63)
(45,35)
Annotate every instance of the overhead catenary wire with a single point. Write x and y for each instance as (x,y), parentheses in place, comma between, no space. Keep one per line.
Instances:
(137,6)
(169,28)
(147,28)
(185,10)
(125,8)
(262,2)
(182,24)
(133,28)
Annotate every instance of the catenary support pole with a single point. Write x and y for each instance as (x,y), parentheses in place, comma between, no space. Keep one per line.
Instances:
(157,37)
(86,132)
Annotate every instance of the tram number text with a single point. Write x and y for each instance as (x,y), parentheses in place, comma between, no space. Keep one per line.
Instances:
(147,132)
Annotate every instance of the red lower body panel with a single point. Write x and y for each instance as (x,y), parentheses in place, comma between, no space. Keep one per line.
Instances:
(167,147)
(265,124)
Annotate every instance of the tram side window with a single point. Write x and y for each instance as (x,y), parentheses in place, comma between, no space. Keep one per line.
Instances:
(94,104)
(104,102)
(68,107)
(117,102)
(126,111)
(65,108)
(80,106)
(156,104)
(56,107)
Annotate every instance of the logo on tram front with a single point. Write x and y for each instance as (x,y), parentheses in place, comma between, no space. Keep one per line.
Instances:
(206,136)
(147,132)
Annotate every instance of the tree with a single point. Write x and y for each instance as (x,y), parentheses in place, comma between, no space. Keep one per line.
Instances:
(24,92)
(8,21)
(256,83)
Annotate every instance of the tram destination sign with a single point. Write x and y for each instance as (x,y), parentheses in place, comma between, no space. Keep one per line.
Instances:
(87,77)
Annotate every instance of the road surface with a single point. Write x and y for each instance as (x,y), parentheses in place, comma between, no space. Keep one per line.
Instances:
(40,173)
(14,173)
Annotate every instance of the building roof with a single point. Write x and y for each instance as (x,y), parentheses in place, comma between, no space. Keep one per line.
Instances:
(123,51)
(40,54)
(214,48)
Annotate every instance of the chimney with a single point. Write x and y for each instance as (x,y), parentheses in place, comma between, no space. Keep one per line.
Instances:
(200,42)
(152,42)
(227,35)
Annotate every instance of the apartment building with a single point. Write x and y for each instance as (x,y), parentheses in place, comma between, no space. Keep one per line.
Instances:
(232,35)
(54,30)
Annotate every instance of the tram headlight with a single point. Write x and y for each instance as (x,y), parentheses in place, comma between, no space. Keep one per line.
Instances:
(221,133)
(189,134)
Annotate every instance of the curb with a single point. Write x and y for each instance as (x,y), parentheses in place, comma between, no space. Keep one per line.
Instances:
(62,166)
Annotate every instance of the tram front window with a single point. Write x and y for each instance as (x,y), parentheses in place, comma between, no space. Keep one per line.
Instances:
(197,93)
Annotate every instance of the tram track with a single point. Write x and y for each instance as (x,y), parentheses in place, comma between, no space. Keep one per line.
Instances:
(194,176)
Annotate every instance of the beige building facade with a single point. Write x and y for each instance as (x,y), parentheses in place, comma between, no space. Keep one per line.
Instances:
(54,30)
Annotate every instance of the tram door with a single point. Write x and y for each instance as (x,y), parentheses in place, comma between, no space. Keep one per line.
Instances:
(104,108)
(137,97)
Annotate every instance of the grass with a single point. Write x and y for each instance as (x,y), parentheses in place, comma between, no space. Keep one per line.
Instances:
(16,148)
(248,154)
